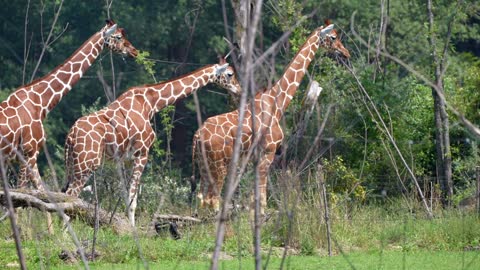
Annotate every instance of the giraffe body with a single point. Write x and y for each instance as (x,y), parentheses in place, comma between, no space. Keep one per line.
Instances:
(123,130)
(216,137)
(21,114)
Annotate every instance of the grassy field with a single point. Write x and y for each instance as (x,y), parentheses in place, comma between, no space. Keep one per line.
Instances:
(367,237)
(439,260)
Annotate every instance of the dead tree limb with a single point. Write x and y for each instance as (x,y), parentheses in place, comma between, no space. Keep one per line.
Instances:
(73,207)
(176,218)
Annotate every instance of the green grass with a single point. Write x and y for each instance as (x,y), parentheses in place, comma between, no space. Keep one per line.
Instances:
(390,260)
(372,237)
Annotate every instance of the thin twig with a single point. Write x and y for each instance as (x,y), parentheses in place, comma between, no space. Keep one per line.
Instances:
(383,127)
(317,138)
(11,213)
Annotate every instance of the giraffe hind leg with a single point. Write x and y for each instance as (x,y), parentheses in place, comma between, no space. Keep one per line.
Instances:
(214,188)
(139,165)
(29,173)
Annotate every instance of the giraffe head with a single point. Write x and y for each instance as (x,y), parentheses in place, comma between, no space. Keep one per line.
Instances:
(224,76)
(330,41)
(116,41)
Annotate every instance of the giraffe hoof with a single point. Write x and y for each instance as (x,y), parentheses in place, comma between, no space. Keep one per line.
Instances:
(201,200)
(215,204)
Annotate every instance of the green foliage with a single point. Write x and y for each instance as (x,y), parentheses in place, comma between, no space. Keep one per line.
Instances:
(158,148)
(342,180)
(143,60)
(218,45)
(163,189)
(92,108)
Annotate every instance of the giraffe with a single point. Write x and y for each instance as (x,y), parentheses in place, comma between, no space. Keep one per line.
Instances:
(123,130)
(21,114)
(215,139)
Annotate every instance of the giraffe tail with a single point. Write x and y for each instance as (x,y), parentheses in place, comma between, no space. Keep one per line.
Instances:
(68,159)
(193,181)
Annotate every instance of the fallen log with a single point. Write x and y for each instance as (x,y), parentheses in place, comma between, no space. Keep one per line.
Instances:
(71,206)
(176,218)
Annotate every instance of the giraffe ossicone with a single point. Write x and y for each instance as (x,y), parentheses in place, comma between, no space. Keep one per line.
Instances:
(124,127)
(215,139)
(326,31)
(109,31)
(21,114)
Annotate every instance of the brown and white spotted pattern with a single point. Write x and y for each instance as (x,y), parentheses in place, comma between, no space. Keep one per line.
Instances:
(123,130)
(22,113)
(218,133)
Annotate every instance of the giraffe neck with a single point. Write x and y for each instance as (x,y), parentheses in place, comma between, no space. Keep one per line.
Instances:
(284,90)
(56,84)
(166,93)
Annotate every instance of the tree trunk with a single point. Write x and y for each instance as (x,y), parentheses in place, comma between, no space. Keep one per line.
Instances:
(442,136)
(442,147)
(241,9)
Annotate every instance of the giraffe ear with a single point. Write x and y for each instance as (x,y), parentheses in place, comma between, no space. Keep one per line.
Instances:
(110,31)
(326,31)
(221,69)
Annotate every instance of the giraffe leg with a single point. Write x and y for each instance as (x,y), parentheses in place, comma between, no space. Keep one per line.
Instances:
(263,169)
(81,174)
(29,171)
(219,171)
(80,166)
(22,176)
(210,189)
(139,165)
(32,138)
(76,186)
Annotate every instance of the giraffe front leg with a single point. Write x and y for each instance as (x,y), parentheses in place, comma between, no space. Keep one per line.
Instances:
(139,165)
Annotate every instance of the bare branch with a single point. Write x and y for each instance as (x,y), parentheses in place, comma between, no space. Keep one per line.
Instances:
(106,87)
(47,42)
(26,49)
